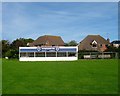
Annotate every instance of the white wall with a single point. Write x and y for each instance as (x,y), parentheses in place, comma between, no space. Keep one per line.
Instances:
(47,58)
(116,45)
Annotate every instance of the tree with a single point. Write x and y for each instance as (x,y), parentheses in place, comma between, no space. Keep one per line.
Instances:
(0,49)
(111,49)
(21,42)
(17,43)
(5,47)
(12,50)
(11,54)
(71,43)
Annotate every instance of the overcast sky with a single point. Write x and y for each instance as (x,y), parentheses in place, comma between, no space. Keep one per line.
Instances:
(71,21)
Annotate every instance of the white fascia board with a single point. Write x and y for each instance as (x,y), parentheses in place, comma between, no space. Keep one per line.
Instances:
(27,47)
(49,47)
(94,42)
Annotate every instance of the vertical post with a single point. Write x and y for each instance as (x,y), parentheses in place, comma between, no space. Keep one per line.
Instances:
(67,53)
(77,55)
(45,53)
(116,55)
(77,52)
(90,55)
(112,55)
(102,55)
(56,53)
(34,54)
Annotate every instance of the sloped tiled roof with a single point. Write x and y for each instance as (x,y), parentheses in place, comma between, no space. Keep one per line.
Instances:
(48,40)
(85,43)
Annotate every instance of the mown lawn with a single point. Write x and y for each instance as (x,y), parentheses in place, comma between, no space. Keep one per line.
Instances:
(73,77)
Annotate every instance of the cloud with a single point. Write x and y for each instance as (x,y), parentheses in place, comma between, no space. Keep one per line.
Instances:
(69,20)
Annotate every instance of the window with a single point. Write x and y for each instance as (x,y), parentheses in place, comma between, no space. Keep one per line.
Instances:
(30,54)
(61,54)
(50,54)
(100,45)
(40,54)
(94,42)
(71,54)
(107,45)
(94,45)
(23,54)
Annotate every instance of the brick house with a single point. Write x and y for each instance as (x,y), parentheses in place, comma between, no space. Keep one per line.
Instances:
(94,42)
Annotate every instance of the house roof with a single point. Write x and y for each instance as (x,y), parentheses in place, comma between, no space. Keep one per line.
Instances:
(48,40)
(116,42)
(85,43)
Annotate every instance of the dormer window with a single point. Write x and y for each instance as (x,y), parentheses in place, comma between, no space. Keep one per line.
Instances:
(94,44)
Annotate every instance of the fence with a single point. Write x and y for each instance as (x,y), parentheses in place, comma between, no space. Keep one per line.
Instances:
(98,55)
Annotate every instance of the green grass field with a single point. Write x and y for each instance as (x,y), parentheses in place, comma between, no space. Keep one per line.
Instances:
(69,77)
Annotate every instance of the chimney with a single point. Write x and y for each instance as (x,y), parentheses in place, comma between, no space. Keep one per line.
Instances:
(108,40)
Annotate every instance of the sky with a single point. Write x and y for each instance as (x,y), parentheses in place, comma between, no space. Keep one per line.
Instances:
(60,0)
(0,20)
(70,20)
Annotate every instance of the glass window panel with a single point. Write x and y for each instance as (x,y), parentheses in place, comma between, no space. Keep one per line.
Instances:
(30,54)
(61,54)
(22,54)
(71,54)
(40,54)
(50,54)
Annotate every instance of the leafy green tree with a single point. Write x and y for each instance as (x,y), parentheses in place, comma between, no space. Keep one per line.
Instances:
(0,49)
(111,49)
(12,50)
(66,44)
(71,43)
(21,42)
(11,54)
(5,47)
